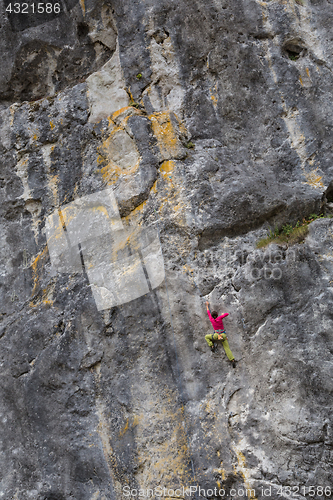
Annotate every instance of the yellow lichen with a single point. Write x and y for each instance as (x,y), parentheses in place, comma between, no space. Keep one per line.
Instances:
(242,469)
(213,95)
(111,171)
(165,134)
(120,111)
(169,192)
(83,7)
(37,266)
(167,167)
(124,429)
(313,178)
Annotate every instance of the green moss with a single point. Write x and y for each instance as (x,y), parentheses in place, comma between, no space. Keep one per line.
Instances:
(139,75)
(289,234)
(190,145)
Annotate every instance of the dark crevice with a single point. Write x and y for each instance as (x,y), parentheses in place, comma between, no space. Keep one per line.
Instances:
(294,50)
(82,30)
(262,35)
(329,193)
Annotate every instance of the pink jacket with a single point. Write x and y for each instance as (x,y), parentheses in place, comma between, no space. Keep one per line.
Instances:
(217,323)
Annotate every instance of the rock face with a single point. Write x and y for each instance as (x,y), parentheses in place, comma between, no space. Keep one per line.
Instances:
(213,122)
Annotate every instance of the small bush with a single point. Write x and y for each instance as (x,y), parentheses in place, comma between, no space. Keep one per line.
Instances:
(289,234)
(287,229)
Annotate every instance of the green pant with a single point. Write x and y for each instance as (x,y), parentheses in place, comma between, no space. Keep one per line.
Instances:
(214,336)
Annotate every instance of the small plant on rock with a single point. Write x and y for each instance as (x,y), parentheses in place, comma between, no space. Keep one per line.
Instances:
(289,234)
(135,104)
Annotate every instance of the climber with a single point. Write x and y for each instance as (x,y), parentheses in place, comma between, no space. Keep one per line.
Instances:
(219,334)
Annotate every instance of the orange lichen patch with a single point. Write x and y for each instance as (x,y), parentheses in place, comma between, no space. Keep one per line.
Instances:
(213,95)
(129,425)
(37,266)
(47,297)
(187,269)
(124,429)
(130,94)
(220,471)
(136,420)
(300,79)
(66,215)
(109,175)
(223,474)
(110,122)
(111,172)
(100,159)
(178,207)
(313,178)
(121,111)
(242,469)
(102,209)
(83,7)
(47,302)
(154,188)
(166,135)
(133,216)
(110,152)
(52,125)
(214,99)
(57,231)
(170,192)
(307,72)
(167,167)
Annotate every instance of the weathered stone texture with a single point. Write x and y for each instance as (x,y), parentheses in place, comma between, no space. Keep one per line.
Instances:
(214,118)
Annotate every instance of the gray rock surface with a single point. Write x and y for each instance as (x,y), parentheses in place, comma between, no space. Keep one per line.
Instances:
(214,119)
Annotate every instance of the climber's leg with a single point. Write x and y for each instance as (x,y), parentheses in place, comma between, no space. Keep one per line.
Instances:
(227,348)
(209,339)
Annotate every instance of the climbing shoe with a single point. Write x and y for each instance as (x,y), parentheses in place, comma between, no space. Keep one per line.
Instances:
(233,363)
(212,348)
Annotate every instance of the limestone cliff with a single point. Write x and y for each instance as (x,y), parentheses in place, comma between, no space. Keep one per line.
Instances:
(211,121)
